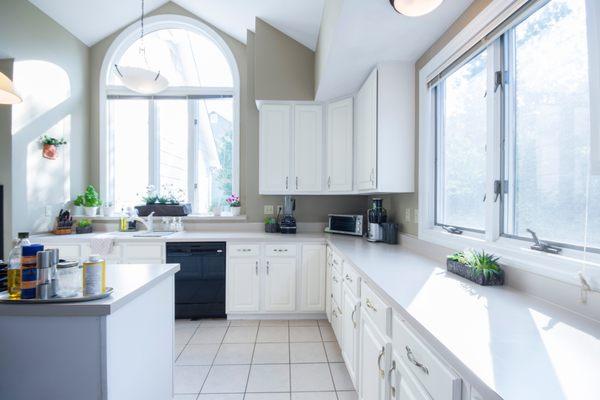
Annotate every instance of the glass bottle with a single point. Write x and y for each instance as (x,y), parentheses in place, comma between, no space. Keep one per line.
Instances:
(14,266)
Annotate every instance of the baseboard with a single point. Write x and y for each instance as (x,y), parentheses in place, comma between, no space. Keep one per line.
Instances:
(290,316)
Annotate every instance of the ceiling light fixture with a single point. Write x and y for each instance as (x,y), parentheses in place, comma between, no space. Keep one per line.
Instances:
(415,8)
(7,91)
(142,80)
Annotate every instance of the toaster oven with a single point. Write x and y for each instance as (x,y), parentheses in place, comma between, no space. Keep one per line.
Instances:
(345,224)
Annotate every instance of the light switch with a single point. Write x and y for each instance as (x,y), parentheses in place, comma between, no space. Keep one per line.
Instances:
(268,210)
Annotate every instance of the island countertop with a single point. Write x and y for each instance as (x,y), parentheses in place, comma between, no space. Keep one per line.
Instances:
(129,281)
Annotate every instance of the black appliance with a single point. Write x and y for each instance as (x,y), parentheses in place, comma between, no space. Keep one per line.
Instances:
(288,222)
(200,284)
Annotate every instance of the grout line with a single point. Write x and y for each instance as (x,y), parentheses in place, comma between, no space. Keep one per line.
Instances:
(290,357)
(213,362)
(328,364)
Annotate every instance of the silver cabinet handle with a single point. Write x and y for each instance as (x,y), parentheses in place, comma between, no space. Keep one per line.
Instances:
(392,387)
(352,315)
(329,182)
(334,313)
(267,268)
(335,261)
(286,182)
(413,361)
(296,183)
(335,279)
(370,305)
(339,311)
(256,268)
(281,250)
(348,278)
(381,371)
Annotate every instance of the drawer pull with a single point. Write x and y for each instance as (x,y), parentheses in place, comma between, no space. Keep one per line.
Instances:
(335,261)
(334,313)
(348,278)
(339,311)
(413,361)
(379,357)
(392,387)
(352,315)
(267,268)
(370,305)
(335,279)
(280,250)
(256,268)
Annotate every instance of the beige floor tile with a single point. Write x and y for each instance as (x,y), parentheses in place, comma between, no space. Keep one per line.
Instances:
(226,379)
(244,322)
(272,334)
(214,322)
(183,334)
(274,322)
(183,323)
(334,354)
(208,334)
(327,334)
(235,353)
(314,396)
(177,349)
(323,322)
(305,334)
(303,322)
(221,396)
(311,378)
(189,379)
(341,378)
(269,378)
(267,396)
(185,397)
(198,354)
(307,353)
(271,353)
(241,334)
(352,395)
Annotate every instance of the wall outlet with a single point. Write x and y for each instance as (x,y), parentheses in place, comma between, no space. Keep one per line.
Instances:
(268,210)
(407,215)
(416,215)
(48,211)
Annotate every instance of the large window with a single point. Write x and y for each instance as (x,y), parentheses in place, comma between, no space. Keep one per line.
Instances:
(512,132)
(182,140)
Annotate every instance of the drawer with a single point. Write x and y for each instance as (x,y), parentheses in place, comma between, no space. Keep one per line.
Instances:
(142,251)
(432,373)
(351,279)
(243,250)
(336,286)
(379,312)
(336,262)
(280,250)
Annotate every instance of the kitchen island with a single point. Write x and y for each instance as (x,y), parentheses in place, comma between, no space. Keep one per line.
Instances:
(120,347)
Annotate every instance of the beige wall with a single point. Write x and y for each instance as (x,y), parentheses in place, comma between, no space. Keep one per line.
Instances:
(284,68)
(51,74)
(309,208)
(331,12)
(398,204)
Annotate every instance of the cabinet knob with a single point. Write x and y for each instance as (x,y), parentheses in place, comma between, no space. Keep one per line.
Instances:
(348,278)
(370,305)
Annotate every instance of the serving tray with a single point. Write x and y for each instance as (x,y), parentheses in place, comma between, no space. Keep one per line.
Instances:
(75,299)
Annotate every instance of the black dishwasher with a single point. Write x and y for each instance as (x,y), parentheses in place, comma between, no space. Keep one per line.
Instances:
(200,284)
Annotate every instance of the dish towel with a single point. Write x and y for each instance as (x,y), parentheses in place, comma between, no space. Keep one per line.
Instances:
(102,245)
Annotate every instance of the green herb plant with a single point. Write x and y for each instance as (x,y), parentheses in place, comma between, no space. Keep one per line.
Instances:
(78,201)
(480,262)
(84,223)
(49,140)
(91,198)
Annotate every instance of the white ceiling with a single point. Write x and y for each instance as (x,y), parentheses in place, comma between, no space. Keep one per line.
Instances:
(93,20)
(370,31)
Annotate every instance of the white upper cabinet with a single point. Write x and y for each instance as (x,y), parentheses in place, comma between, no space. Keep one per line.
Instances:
(340,130)
(385,130)
(308,148)
(275,152)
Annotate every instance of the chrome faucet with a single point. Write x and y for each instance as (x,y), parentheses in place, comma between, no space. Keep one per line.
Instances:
(148,222)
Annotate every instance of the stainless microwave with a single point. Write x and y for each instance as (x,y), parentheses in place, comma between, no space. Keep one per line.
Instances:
(345,224)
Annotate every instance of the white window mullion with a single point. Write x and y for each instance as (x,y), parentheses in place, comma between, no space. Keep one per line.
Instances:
(154,145)
(193,153)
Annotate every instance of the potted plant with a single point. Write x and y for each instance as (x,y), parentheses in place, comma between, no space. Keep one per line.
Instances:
(84,226)
(271,225)
(167,202)
(234,204)
(216,209)
(91,201)
(78,205)
(50,146)
(479,267)
(107,209)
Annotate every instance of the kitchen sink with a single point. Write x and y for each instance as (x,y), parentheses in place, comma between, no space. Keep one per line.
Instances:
(152,234)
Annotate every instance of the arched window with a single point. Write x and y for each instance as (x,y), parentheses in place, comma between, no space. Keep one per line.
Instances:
(183,140)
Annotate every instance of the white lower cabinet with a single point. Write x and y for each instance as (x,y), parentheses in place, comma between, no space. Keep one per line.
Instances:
(312,278)
(243,284)
(403,385)
(374,361)
(350,332)
(280,284)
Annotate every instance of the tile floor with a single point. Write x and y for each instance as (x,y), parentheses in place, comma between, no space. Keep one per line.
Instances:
(259,360)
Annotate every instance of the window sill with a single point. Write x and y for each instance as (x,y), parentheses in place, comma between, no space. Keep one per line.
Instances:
(563,267)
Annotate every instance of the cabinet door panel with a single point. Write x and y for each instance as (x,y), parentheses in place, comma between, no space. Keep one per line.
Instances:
(313,280)
(275,133)
(373,355)
(366,134)
(308,148)
(280,284)
(243,284)
(403,384)
(340,128)
(349,344)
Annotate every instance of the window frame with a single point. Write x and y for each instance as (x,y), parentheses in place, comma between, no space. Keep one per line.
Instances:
(120,44)
(515,252)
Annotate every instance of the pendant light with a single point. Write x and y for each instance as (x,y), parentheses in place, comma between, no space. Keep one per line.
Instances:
(142,80)
(415,8)
(7,91)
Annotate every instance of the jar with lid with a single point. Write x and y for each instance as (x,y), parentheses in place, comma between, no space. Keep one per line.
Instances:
(68,279)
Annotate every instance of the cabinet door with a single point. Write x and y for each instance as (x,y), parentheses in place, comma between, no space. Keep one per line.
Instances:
(243,284)
(275,133)
(313,280)
(373,361)
(280,284)
(349,344)
(366,134)
(340,128)
(308,148)
(328,294)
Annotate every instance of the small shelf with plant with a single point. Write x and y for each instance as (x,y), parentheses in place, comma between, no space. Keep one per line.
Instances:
(83,226)
(477,266)
(234,204)
(50,146)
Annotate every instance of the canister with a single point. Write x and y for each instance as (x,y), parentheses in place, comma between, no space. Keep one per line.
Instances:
(29,270)
(94,276)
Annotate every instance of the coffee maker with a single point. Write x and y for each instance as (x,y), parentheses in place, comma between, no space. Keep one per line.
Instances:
(288,222)
(376,216)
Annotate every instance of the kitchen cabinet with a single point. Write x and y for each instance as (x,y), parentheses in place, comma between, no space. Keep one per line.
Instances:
(350,325)
(374,361)
(142,253)
(366,134)
(312,278)
(328,294)
(403,385)
(340,130)
(243,284)
(308,148)
(280,284)
(274,149)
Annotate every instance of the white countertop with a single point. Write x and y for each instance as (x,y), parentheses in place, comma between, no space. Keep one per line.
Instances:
(518,346)
(128,281)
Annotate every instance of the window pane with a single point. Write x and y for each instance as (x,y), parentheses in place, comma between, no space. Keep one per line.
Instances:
(461,140)
(185,58)
(215,152)
(128,126)
(172,125)
(548,153)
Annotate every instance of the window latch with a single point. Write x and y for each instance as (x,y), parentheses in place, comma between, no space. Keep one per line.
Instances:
(500,188)
(500,79)
(542,246)
(452,229)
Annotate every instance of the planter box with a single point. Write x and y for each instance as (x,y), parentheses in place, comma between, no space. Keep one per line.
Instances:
(165,210)
(271,228)
(468,273)
(79,230)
